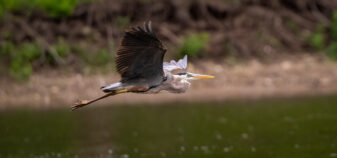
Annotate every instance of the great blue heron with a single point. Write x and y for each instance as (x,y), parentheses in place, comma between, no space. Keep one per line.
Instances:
(140,63)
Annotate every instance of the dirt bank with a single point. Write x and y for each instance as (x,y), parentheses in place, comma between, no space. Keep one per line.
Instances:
(300,75)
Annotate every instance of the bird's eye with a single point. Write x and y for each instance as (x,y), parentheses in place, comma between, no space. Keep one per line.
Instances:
(182,73)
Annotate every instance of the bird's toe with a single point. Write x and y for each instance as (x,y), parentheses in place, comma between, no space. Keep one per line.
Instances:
(79,104)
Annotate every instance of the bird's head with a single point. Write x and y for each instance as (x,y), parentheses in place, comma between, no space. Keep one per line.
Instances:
(192,76)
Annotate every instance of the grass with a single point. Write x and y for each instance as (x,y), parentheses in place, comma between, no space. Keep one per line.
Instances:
(98,58)
(193,44)
(332,47)
(122,21)
(301,128)
(22,57)
(19,61)
(319,40)
(334,26)
(53,8)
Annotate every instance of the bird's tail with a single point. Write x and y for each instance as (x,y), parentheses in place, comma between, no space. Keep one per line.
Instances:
(112,87)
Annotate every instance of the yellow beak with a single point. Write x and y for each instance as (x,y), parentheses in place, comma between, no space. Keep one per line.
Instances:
(203,76)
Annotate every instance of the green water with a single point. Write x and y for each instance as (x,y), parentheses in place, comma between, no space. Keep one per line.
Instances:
(299,128)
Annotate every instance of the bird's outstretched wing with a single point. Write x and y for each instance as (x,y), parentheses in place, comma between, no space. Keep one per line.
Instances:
(140,55)
(173,65)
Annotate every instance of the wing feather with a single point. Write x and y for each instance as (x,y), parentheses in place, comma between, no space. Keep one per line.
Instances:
(140,55)
(173,65)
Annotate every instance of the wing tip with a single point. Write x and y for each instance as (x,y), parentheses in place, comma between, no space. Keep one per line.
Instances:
(183,62)
(147,29)
(148,26)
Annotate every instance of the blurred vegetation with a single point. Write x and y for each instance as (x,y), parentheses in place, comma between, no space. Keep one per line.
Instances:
(22,59)
(62,48)
(321,41)
(332,47)
(53,8)
(193,44)
(79,36)
(99,58)
(316,40)
(122,21)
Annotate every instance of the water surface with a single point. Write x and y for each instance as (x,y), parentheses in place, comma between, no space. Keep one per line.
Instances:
(302,127)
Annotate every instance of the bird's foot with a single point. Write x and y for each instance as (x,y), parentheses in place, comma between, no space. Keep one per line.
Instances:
(79,104)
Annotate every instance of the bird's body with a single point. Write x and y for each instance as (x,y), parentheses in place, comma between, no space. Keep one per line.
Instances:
(140,63)
(171,83)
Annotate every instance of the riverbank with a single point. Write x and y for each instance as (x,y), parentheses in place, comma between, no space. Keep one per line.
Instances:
(288,77)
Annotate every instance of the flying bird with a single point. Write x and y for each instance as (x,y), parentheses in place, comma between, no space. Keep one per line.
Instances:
(140,63)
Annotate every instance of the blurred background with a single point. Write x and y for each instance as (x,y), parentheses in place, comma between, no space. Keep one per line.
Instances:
(274,94)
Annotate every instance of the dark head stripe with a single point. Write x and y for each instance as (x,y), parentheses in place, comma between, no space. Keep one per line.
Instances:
(182,73)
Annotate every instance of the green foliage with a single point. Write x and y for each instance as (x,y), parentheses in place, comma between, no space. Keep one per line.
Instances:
(21,58)
(101,57)
(316,40)
(332,50)
(98,58)
(5,47)
(122,21)
(20,66)
(57,8)
(53,8)
(292,25)
(62,48)
(7,35)
(194,44)
(334,26)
